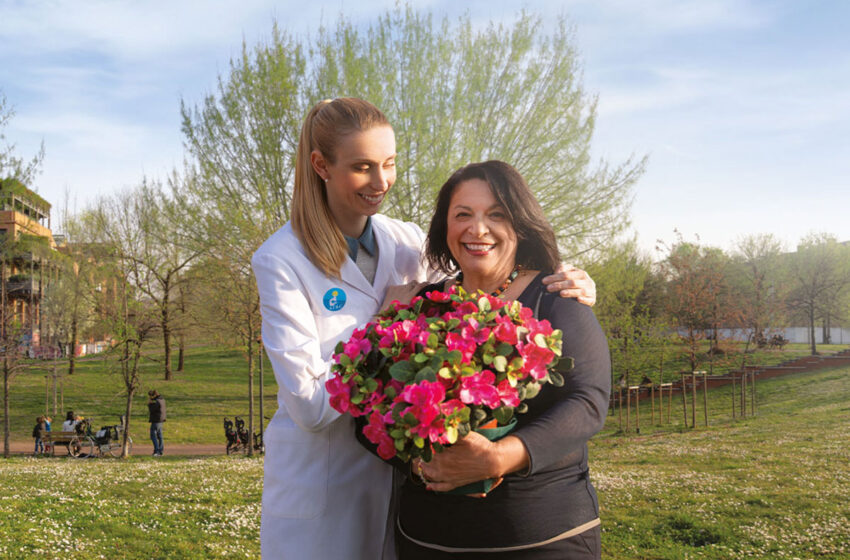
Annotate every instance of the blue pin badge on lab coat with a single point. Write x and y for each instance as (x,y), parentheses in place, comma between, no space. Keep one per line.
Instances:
(334,299)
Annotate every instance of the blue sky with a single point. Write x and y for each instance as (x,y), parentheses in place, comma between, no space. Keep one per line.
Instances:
(743,107)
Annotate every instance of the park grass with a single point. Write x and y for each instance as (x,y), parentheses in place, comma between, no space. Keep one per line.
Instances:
(770,486)
(131,509)
(774,485)
(214,384)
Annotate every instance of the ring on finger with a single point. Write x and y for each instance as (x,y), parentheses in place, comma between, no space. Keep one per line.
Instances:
(421,473)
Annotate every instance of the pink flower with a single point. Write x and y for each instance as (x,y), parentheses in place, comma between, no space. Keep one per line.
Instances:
(507,394)
(535,358)
(376,432)
(467,347)
(479,389)
(356,347)
(425,398)
(439,297)
(505,330)
(473,331)
(340,396)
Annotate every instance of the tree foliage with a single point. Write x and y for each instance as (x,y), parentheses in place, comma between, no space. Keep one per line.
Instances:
(819,275)
(455,94)
(12,166)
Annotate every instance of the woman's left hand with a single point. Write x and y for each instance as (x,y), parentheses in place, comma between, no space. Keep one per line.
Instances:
(470,459)
(473,458)
(572,282)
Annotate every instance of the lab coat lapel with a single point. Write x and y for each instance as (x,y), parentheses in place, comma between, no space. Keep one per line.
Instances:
(352,276)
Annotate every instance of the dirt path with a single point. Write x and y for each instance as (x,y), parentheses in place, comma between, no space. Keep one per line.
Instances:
(142,448)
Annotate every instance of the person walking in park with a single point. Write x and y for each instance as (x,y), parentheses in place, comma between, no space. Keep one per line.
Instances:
(156,416)
(40,427)
(320,276)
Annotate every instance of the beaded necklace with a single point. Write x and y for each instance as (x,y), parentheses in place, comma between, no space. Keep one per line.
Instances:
(511,277)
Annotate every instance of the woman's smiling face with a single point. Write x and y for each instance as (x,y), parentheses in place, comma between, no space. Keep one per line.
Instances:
(362,172)
(480,235)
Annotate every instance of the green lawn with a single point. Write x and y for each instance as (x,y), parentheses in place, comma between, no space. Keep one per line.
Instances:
(770,486)
(214,384)
(773,486)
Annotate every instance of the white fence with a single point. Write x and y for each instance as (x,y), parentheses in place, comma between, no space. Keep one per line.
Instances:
(794,334)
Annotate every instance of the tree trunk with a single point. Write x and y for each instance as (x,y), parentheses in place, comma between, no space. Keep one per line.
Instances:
(2,297)
(812,330)
(6,433)
(72,355)
(166,337)
(262,417)
(128,408)
(181,350)
(250,391)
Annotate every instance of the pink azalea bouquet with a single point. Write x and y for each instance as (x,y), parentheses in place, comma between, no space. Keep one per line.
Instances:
(427,373)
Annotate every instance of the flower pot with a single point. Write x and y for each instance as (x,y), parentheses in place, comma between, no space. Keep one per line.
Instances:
(493,433)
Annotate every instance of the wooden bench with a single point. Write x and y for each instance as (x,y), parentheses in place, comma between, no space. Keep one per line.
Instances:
(50,439)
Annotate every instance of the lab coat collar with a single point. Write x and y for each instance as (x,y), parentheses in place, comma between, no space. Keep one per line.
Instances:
(352,276)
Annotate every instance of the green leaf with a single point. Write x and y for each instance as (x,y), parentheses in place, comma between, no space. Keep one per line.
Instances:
(565,364)
(556,379)
(531,390)
(402,371)
(427,373)
(370,385)
(433,341)
(522,408)
(503,414)
(420,358)
(500,363)
(463,429)
(410,419)
(504,349)
(479,415)
(419,442)
(483,304)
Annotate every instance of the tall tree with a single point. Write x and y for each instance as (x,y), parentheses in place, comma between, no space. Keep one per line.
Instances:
(12,166)
(819,274)
(141,228)
(697,298)
(635,335)
(125,310)
(760,295)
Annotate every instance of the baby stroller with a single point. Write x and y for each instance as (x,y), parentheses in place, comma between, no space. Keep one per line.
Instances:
(237,439)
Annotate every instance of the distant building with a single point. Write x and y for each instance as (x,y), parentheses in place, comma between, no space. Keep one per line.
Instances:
(24,225)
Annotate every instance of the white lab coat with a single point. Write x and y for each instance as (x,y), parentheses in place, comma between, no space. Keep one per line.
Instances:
(324,496)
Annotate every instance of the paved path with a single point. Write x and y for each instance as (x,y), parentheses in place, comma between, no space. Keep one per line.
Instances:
(24,448)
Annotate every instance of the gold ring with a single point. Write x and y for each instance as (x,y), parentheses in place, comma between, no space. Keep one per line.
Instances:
(421,473)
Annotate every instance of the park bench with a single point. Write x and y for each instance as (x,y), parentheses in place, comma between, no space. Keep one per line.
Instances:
(51,439)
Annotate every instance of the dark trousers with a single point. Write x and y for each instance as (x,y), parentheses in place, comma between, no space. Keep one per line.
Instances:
(156,437)
(586,546)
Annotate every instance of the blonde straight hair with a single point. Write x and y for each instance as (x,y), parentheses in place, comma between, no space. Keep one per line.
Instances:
(325,125)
